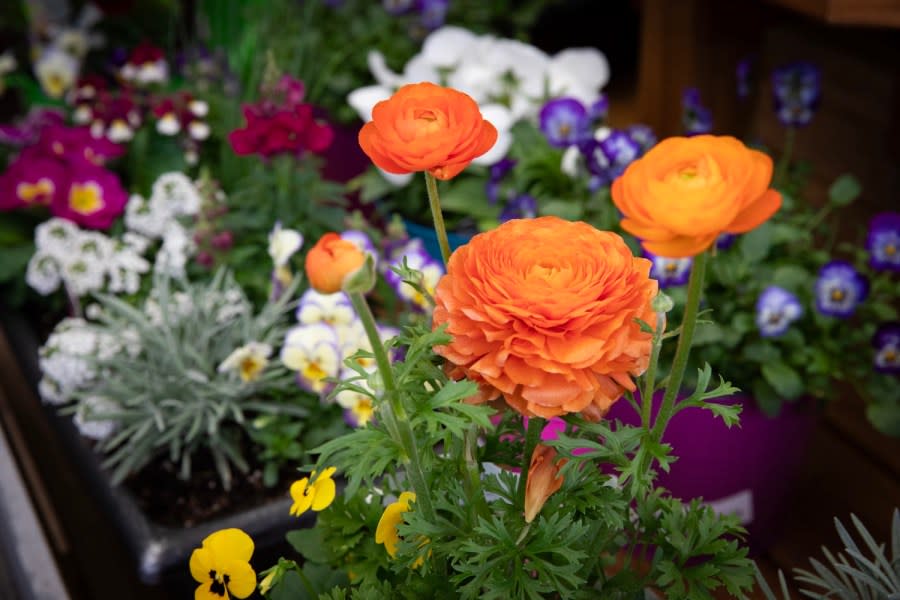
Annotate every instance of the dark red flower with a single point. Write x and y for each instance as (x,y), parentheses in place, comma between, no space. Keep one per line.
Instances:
(291,131)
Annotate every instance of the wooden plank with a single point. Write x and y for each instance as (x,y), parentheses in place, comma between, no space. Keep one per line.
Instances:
(848,417)
(873,13)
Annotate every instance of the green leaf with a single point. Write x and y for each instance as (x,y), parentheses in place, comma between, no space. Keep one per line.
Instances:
(15,260)
(309,543)
(467,196)
(561,208)
(885,418)
(291,587)
(792,277)
(783,379)
(754,245)
(768,401)
(844,190)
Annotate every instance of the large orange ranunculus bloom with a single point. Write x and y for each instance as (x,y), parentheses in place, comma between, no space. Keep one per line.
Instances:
(426,127)
(684,192)
(543,312)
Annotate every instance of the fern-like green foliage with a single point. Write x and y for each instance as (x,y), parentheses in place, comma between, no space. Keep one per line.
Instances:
(863,571)
(166,386)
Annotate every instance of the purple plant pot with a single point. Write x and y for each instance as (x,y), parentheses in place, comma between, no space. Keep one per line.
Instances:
(748,470)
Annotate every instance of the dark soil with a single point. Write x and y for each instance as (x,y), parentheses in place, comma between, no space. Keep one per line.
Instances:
(172,502)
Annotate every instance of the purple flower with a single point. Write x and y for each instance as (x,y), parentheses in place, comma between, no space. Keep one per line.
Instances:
(643,135)
(599,109)
(797,91)
(670,272)
(696,118)
(564,121)
(839,289)
(433,13)
(883,241)
(523,206)
(743,77)
(431,271)
(607,158)
(776,309)
(28,130)
(498,172)
(887,348)
(397,7)
(725,241)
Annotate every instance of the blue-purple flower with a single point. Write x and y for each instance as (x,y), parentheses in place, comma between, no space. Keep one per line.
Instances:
(883,242)
(776,309)
(599,109)
(839,289)
(523,206)
(398,7)
(887,348)
(433,13)
(742,73)
(606,159)
(696,119)
(564,122)
(431,271)
(499,170)
(670,272)
(797,90)
(725,241)
(643,135)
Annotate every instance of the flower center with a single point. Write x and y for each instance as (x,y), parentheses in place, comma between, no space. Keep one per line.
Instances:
(565,129)
(85,199)
(890,249)
(314,372)
(671,268)
(837,294)
(219,584)
(250,368)
(35,192)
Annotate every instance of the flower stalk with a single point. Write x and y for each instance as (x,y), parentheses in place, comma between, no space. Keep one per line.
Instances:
(434,200)
(532,436)
(786,156)
(683,349)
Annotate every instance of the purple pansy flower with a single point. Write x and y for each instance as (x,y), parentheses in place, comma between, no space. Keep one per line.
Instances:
(499,171)
(725,241)
(887,348)
(433,13)
(523,206)
(883,241)
(398,7)
(669,272)
(599,109)
(797,90)
(564,121)
(839,289)
(606,159)
(743,77)
(776,309)
(696,118)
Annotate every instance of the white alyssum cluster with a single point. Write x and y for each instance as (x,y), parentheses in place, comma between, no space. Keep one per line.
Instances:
(509,79)
(84,261)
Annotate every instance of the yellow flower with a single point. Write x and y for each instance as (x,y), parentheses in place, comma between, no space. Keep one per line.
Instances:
(317,495)
(386,532)
(222,566)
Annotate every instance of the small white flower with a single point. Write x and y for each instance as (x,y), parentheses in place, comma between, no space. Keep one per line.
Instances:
(312,351)
(7,63)
(43,274)
(177,247)
(571,160)
(283,244)
(249,360)
(177,193)
(56,237)
(82,275)
(145,218)
(150,73)
(199,130)
(90,419)
(198,108)
(82,114)
(168,124)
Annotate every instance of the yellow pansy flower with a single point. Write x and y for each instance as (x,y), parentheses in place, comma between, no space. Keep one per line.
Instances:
(222,566)
(317,495)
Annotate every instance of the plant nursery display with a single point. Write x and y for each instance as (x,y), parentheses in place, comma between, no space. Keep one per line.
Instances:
(387,270)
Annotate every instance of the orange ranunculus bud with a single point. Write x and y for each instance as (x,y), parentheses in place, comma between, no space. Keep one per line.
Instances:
(543,481)
(543,311)
(331,261)
(426,127)
(684,192)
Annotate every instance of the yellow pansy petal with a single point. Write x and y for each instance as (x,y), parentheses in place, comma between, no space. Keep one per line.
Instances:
(302,499)
(241,578)
(386,532)
(325,491)
(201,564)
(230,544)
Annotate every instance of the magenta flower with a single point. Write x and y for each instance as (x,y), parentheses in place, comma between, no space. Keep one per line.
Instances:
(74,145)
(94,198)
(35,181)
(28,130)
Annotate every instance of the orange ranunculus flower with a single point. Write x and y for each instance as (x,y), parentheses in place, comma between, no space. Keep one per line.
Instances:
(543,311)
(426,127)
(330,261)
(686,191)
(543,480)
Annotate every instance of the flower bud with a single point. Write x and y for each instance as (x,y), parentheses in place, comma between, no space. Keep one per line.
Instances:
(331,261)
(543,480)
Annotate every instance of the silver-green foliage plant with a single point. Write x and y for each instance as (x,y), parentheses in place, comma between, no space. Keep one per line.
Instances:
(859,573)
(166,391)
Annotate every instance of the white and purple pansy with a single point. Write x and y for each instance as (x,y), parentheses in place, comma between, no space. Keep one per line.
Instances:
(313,352)
(887,348)
(883,241)
(797,90)
(330,309)
(564,122)
(670,272)
(776,309)
(839,289)
(431,271)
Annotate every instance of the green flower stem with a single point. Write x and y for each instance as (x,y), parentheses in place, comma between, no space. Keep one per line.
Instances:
(786,155)
(440,229)
(532,436)
(472,480)
(650,375)
(683,350)
(394,415)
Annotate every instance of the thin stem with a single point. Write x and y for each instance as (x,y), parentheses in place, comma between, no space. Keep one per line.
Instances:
(434,200)
(472,472)
(532,435)
(650,375)
(786,155)
(392,412)
(683,350)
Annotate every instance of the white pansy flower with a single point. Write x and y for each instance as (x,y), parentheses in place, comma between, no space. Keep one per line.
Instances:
(248,361)
(363,99)
(283,244)
(312,351)
(445,46)
(579,73)
(359,403)
(56,71)
(331,309)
